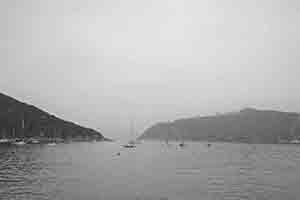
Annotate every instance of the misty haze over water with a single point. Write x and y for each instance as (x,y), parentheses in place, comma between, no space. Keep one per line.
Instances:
(110,69)
(100,63)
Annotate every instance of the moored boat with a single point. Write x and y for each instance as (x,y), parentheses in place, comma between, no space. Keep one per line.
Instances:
(295,141)
(132,143)
(181,144)
(4,141)
(19,142)
(129,146)
(33,141)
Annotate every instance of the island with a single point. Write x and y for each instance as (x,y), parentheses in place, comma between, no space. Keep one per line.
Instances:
(248,125)
(19,120)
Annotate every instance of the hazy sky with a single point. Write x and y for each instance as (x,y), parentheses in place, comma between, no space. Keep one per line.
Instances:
(101,63)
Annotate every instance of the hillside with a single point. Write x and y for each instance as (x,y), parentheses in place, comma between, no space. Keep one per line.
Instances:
(248,125)
(38,123)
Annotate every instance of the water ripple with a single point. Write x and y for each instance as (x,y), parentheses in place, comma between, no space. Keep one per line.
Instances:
(77,171)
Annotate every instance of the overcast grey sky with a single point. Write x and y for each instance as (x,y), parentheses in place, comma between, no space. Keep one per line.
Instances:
(102,62)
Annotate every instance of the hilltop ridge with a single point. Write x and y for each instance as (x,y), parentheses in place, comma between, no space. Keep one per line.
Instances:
(248,125)
(38,123)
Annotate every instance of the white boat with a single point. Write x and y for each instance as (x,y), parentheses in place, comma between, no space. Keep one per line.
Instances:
(295,141)
(53,141)
(131,143)
(33,141)
(4,141)
(19,142)
(129,146)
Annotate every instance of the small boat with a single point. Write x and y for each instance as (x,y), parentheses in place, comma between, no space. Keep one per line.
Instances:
(295,141)
(208,145)
(51,144)
(129,146)
(167,142)
(181,144)
(4,141)
(168,136)
(3,137)
(132,143)
(293,128)
(33,141)
(19,142)
(53,139)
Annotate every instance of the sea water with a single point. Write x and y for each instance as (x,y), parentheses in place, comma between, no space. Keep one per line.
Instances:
(151,171)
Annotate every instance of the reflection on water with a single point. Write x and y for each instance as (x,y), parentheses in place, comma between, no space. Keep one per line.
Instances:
(151,171)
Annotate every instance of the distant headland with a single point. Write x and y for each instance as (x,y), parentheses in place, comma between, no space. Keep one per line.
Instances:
(20,120)
(248,125)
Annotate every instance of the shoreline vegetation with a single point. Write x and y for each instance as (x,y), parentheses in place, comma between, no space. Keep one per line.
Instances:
(41,140)
(23,122)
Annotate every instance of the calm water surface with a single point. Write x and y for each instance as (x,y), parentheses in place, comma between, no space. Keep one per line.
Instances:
(151,171)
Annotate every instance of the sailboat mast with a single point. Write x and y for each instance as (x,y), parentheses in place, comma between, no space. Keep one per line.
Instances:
(294,127)
(168,132)
(13,133)
(22,127)
(23,124)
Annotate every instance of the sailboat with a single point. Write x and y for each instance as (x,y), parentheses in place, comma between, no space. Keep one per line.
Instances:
(3,139)
(182,144)
(167,141)
(295,139)
(131,143)
(52,142)
(21,141)
(33,141)
(168,136)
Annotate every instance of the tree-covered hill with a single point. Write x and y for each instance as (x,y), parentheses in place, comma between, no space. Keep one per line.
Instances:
(18,119)
(248,125)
